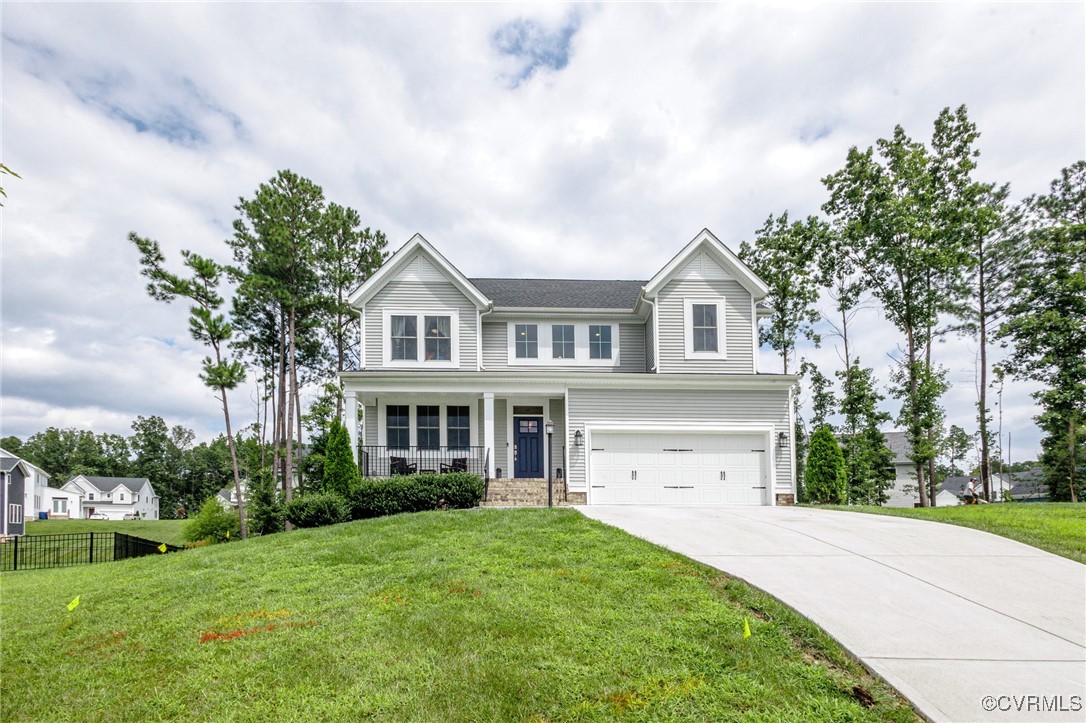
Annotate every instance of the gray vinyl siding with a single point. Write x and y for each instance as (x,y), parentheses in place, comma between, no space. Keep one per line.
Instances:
(421,297)
(369,430)
(650,346)
(557,412)
(501,438)
(631,350)
(738,329)
(651,406)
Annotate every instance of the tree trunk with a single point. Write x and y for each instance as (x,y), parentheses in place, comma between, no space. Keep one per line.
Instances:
(288,467)
(1072,423)
(233,461)
(982,401)
(298,422)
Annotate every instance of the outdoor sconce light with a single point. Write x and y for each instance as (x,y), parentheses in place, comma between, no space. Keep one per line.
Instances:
(782,440)
(578,438)
(549,427)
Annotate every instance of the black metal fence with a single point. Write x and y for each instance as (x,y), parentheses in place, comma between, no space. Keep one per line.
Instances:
(38,552)
(377,461)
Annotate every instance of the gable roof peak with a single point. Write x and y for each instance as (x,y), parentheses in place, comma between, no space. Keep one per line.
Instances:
(706,241)
(403,256)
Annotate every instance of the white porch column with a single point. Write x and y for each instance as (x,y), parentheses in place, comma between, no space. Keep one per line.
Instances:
(350,413)
(488,431)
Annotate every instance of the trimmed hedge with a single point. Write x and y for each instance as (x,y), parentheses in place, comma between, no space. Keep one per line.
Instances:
(378,497)
(317,509)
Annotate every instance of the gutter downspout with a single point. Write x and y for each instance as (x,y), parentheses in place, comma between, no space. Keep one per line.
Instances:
(655,332)
(479,333)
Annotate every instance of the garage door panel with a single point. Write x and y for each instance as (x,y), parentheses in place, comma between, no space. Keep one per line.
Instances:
(677,468)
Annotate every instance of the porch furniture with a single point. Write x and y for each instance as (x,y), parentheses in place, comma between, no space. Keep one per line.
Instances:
(399,466)
(459,464)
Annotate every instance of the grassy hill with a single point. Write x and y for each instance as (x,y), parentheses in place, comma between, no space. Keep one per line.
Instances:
(1058,527)
(168,531)
(529,615)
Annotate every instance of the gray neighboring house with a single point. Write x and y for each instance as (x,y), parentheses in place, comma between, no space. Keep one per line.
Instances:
(904,493)
(652,388)
(13,475)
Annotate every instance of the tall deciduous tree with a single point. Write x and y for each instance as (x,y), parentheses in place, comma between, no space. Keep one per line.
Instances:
(1046,322)
(206,325)
(888,204)
(782,255)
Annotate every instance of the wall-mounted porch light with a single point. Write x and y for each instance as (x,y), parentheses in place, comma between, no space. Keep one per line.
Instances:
(578,438)
(782,440)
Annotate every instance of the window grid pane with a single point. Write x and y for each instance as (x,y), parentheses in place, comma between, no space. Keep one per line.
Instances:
(438,338)
(599,342)
(399,426)
(429,427)
(458,427)
(527,341)
(705,329)
(562,346)
(405,343)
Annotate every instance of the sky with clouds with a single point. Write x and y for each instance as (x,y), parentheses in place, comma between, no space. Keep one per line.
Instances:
(577,141)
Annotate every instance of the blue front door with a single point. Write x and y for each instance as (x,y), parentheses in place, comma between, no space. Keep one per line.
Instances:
(528,447)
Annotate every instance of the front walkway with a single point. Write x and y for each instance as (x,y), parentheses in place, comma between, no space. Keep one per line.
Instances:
(967,625)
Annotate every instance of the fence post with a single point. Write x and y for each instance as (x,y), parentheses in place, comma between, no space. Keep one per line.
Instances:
(15,559)
(91,559)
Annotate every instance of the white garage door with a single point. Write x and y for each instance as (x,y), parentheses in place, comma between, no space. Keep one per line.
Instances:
(677,468)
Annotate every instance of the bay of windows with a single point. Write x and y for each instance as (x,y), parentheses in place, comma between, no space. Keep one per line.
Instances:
(428,421)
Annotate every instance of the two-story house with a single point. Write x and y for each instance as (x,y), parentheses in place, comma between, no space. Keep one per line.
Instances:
(651,388)
(115,498)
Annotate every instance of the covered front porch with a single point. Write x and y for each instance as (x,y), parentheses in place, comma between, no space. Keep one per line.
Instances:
(426,425)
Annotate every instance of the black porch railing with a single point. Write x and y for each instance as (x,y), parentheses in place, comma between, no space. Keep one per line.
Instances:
(378,461)
(38,552)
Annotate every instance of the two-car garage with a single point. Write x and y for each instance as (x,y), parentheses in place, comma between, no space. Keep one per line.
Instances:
(678,468)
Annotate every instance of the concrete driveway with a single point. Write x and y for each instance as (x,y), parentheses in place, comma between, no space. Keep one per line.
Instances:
(967,625)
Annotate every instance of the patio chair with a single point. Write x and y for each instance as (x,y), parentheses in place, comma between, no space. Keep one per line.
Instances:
(399,466)
(459,464)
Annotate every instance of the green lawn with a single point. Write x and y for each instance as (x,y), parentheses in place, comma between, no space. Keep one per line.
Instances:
(1058,527)
(504,615)
(168,531)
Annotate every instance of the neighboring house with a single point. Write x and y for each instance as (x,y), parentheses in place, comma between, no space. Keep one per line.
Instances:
(903,493)
(13,475)
(652,387)
(115,497)
(39,497)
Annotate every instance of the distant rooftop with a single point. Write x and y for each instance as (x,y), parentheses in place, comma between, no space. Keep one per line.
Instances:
(560,293)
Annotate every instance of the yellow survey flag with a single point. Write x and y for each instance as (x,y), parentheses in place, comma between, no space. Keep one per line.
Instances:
(73,604)
(162,547)
(228,534)
(746,629)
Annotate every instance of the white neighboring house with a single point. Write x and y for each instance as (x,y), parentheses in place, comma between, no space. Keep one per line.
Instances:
(904,493)
(39,497)
(115,497)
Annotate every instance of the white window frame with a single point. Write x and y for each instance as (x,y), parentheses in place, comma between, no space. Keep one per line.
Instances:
(15,514)
(63,504)
(443,403)
(420,347)
(544,334)
(688,329)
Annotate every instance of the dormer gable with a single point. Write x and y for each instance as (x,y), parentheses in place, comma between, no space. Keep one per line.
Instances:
(706,257)
(417,260)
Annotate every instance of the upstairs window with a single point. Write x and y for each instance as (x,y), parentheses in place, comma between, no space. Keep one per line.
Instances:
(398,419)
(705,338)
(527,341)
(90,495)
(429,426)
(703,329)
(438,338)
(562,346)
(405,338)
(599,341)
(458,427)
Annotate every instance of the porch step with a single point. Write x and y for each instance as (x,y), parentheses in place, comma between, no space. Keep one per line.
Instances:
(522,493)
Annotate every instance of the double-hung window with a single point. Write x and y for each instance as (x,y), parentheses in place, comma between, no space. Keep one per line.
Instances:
(405,338)
(704,329)
(526,340)
(458,427)
(429,426)
(438,338)
(599,341)
(562,342)
(398,418)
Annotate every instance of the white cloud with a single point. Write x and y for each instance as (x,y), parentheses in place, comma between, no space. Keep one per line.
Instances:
(637,126)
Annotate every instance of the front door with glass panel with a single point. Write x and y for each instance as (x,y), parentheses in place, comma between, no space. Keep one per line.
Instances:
(528,447)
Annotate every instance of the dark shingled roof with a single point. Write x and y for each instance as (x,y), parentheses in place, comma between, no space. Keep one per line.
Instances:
(560,293)
(106,484)
(8,463)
